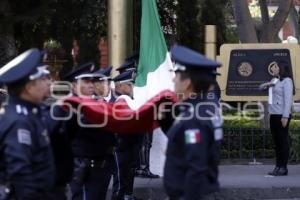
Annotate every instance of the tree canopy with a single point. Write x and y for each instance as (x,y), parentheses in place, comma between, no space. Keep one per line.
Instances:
(28,23)
(266,29)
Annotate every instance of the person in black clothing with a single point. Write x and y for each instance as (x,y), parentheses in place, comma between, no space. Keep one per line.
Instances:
(281,88)
(92,146)
(128,147)
(192,157)
(60,132)
(27,162)
(143,169)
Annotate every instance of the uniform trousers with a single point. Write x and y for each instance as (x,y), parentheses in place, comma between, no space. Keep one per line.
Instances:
(91,178)
(281,140)
(126,162)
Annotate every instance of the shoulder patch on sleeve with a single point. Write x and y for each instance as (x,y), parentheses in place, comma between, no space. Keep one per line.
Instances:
(24,136)
(192,136)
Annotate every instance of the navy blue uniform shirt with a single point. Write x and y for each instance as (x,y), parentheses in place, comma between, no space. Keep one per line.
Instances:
(191,168)
(91,141)
(60,136)
(25,149)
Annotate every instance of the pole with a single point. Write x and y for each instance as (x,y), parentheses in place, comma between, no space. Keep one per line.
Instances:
(210,41)
(120,33)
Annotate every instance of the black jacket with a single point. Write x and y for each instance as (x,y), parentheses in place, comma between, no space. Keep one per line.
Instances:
(61,135)
(192,158)
(26,152)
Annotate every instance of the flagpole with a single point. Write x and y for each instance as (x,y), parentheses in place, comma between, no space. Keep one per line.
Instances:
(210,41)
(120,31)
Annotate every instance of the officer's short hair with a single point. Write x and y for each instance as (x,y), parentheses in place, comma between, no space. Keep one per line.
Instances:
(15,89)
(201,79)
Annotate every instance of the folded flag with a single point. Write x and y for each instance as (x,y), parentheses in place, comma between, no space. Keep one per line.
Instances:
(118,117)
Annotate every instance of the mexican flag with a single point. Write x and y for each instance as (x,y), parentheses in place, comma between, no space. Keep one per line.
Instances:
(154,67)
(152,85)
(154,75)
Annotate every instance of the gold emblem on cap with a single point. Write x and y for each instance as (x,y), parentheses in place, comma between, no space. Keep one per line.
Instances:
(245,69)
(271,66)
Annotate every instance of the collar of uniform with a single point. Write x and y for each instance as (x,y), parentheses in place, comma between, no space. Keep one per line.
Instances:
(186,104)
(23,106)
(197,97)
(117,93)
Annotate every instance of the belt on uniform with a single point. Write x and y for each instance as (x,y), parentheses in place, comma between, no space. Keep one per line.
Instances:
(93,162)
(97,163)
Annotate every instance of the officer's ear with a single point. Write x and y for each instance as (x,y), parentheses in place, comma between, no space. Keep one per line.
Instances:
(28,86)
(187,84)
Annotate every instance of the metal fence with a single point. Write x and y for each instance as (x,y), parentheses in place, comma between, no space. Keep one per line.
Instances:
(255,144)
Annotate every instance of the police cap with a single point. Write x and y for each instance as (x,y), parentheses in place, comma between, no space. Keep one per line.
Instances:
(102,74)
(128,66)
(81,72)
(127,76)
(186,58)
(26,66)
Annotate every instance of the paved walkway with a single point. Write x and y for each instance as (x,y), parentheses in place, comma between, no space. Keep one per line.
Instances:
(255,176)
(238,182)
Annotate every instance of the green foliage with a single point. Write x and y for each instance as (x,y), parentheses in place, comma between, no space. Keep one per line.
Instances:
(167,13)
(52,44)
(35,21)
(232,35)
(240,122)
(189,24)
(192,18)
(244,139)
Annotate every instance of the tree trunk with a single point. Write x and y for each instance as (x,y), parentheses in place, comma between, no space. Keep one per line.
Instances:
(244,22)
(270,30)
(264,11)
(294,21)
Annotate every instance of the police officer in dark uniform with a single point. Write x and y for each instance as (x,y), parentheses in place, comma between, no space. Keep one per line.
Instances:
(143,169)
(102,84)
(26,155)
(128,146)
(92,146)
(61,133)
(192,157)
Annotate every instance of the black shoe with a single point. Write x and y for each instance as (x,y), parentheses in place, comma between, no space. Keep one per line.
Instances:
(283,171)
(279,171)
(272,173)
(145,173)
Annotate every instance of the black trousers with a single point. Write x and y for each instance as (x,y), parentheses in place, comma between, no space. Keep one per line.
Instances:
(59,193)
(281,140)
(126,162)
(91,179)
(145,151)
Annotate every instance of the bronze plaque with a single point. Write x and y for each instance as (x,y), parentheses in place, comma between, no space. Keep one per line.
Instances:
(248,68)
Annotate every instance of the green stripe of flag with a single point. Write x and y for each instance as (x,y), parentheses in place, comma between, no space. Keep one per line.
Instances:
(153,46)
